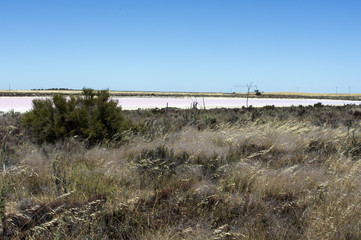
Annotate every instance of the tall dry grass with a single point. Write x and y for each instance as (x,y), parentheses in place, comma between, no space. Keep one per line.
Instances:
(270,173)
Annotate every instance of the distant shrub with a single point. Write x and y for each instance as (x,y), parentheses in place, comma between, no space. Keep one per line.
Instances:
(318,104)
(92,117)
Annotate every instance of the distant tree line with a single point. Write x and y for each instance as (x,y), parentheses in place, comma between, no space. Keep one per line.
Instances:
(47,89)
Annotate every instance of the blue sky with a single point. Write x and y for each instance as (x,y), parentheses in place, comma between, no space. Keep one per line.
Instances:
(183,45)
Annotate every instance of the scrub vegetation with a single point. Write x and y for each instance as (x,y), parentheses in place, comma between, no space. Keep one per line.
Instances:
(93,117)
(248,173)
(243,94)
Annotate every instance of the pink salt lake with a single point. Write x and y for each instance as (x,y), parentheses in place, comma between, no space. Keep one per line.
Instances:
(23,104)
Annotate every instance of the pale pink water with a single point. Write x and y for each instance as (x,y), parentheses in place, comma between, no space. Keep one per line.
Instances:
(23,104)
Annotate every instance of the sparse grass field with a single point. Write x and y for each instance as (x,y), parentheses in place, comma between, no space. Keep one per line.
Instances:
(345,96)
(113,93)
(251,173)
(314,95)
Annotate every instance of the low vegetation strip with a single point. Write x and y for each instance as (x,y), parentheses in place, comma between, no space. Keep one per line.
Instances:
(248,173)
(258,94)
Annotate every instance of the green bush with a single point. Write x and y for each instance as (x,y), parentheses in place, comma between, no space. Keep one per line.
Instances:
(92,117)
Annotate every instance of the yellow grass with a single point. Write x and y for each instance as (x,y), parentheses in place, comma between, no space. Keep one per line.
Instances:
(315,94)
(181,94)
(114,93)
(42,92)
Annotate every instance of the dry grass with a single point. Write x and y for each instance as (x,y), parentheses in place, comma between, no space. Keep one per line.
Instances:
(292,173)
(315,94)
(185,94)
(113,93)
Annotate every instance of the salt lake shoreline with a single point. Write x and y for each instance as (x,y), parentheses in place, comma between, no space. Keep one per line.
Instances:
(24,103)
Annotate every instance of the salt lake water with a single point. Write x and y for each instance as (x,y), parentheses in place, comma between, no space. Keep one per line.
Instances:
(23,104)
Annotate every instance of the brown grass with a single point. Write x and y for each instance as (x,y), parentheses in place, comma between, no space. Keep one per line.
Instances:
(269,173)
(315,94)
(183,94)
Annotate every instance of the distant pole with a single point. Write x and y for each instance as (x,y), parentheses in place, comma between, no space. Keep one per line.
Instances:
(336,91)
(9,87)
(249,86)
(349,90)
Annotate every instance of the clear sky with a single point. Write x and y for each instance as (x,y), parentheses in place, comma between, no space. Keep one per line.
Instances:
(181,45)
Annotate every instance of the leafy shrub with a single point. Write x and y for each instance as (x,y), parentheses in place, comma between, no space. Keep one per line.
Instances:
(92,117)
